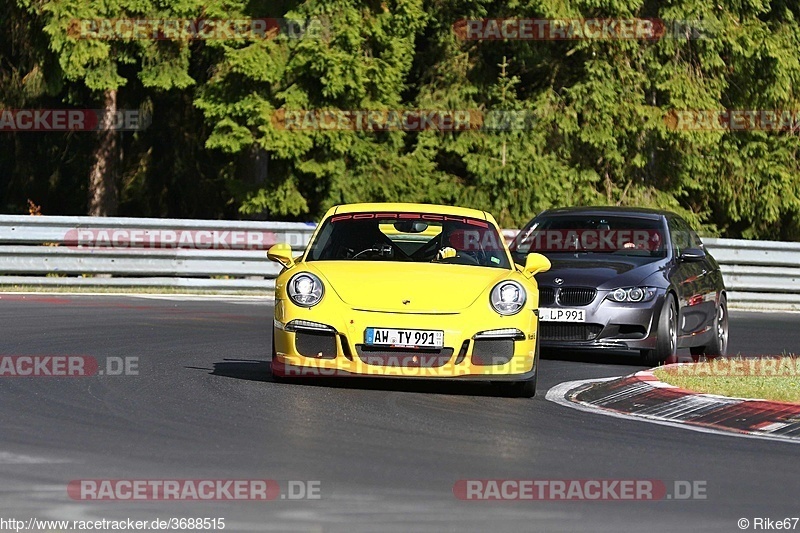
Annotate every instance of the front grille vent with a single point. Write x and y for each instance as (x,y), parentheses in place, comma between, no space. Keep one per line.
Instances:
(564,331)
(576,296)
(547,296)
(403,358)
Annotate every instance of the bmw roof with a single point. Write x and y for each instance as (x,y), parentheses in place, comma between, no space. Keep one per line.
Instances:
(641,212)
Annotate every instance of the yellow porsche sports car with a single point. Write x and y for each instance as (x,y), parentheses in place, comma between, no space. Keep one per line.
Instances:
(407,290)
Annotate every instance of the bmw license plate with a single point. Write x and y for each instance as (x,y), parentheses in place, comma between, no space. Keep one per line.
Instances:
(407,338)
(555,314)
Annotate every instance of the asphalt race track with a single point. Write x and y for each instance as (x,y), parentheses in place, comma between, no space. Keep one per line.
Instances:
(386,454)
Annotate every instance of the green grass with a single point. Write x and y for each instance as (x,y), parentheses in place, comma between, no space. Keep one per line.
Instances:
(776,378)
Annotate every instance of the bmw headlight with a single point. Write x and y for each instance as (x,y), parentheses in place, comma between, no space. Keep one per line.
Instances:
(632,294)
(305,289)
(508,297)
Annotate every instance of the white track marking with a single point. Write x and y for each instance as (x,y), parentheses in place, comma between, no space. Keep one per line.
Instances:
(268,298)
(8,458)
(227,298)
(558,395)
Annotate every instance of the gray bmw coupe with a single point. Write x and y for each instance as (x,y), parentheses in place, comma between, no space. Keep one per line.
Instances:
(626,279)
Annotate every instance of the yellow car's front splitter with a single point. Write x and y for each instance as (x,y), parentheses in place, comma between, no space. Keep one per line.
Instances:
(282,368)
(401,363)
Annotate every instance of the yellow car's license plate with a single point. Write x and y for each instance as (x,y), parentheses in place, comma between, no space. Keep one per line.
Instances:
(410,338)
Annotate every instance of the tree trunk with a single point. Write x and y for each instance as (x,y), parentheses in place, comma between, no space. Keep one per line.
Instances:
(103,175)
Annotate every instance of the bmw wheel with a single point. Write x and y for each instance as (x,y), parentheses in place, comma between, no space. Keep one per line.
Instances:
(718,347)
(666,335)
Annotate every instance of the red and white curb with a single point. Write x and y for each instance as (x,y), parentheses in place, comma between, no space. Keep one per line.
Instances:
(641,396)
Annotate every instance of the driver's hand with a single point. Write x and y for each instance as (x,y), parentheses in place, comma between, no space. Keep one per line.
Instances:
(445,253)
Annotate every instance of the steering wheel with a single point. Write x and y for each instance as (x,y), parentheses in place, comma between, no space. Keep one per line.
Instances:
(461,258)
(381,250)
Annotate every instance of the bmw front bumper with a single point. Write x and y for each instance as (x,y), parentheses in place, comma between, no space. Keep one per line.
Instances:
(609,325)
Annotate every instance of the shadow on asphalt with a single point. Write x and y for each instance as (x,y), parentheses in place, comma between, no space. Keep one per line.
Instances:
(596,356)
(249,369)
(629,358)
(259,370)
(256,370)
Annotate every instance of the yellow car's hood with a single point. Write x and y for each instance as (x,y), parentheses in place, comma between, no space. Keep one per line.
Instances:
(425,287)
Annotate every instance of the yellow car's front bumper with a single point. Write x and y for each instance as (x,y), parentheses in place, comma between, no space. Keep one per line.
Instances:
(507,352)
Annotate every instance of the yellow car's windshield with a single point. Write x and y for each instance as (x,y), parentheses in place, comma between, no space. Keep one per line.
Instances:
(410,237)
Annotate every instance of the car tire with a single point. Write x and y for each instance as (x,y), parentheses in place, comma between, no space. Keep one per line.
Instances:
(666,335)
(718,347)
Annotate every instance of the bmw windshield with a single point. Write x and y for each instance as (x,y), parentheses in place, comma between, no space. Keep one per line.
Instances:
(606,234)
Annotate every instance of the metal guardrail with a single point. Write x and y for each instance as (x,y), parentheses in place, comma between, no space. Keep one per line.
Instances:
(759,274)
(138,252)
(230,255)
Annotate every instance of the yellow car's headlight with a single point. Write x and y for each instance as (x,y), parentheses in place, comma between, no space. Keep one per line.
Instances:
(508,297)
(305,289)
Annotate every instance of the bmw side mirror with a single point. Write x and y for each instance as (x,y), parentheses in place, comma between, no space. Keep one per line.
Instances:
(691,255)
(536,263)
(282,253)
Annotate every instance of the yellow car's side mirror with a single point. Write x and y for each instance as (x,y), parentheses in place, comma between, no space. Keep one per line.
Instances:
(282,253)
(536,263)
